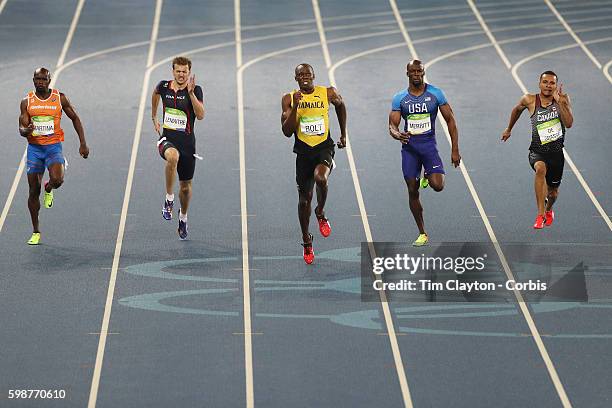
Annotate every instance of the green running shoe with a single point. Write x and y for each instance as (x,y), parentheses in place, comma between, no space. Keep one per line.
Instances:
(424,182)
(48,201)
(423,239)
(34,239)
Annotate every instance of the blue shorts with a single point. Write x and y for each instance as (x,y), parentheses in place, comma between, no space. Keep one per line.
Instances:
(40,157)
(421,153)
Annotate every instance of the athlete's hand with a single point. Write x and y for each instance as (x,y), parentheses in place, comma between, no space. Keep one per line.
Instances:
(506,134)
(156,126)
(191,84)
(403,137)
(297,97)
(455,158)
(342,142)
(84,151)
(26,131)
(559,96)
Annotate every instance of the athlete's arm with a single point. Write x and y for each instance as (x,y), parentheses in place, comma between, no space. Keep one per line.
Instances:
(565,107)
(154,104)
(395,118)
(335,99)
(76,122)
(26,127)
(523,104)
(196,97)
(449,117)
(289,115)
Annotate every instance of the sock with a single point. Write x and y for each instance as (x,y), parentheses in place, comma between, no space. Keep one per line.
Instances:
(170,197)
(182,217)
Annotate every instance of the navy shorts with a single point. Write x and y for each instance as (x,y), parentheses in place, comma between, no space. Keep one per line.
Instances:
(421,153)
(40,157)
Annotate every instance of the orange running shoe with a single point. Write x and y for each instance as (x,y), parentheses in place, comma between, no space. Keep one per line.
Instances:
(308,252)
(539,222)
(324,227)
(550,217)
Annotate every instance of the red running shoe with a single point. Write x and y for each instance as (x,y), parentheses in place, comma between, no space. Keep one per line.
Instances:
(308,252)
(539,222)
(324,227)
(550,217)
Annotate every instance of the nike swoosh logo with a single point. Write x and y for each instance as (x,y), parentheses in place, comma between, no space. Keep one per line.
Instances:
(435,167)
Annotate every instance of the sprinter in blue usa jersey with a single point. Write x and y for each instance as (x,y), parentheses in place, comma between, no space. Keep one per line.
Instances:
(418,106)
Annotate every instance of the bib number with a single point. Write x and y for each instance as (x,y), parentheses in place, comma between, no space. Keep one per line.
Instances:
(43,125)
(175,119)
(419,123)
(312,125)
(550,131)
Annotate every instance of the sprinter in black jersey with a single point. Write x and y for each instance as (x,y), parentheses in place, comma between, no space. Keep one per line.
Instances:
(551,114)
(182,102)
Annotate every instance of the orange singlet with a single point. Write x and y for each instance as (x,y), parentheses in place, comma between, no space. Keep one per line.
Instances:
(46,115)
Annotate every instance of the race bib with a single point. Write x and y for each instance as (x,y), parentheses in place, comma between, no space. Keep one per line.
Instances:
(312,125)
(550,131)
(175,119)
(418,123)
(43,126)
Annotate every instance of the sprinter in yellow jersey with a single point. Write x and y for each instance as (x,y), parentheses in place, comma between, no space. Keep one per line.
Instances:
(306,116)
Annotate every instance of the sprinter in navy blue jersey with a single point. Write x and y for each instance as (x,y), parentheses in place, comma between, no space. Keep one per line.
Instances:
(183,102)
(418,106)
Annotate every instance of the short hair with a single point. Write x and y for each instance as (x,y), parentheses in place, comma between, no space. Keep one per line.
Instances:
(44,71)
(181,61)
(414,62)
(548,73)
(303,64)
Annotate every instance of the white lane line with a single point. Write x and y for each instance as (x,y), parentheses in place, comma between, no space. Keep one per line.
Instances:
(95,381)
(573,34)
(606,70)
(21,167)
(397,356)
(509,274)
(246,280)
(521,85)
(2,5)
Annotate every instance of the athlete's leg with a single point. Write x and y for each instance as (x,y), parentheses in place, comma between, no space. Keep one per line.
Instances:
(436,181)
(56,177)
(171,155)
(540,185)
(321,175)
(415,203)
(184,195)
(34,180)
(553,193)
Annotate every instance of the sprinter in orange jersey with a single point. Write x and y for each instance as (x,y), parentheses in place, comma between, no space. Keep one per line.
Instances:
(39,122)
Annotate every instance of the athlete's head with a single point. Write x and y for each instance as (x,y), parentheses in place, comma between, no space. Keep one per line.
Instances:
(42,78)
(416,72)
(304,75)
(548,83)
(181,68)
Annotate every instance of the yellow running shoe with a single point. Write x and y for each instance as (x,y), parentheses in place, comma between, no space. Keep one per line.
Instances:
(423,239)
(48,197)
(424,182)
(34,239)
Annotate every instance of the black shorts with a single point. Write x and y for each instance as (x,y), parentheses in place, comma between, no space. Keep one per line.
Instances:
(554,165)
(305,164)
(186,162)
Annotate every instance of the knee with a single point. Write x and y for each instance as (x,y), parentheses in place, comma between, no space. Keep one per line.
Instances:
(321,180)
(413,194)
(185,188)
(437,187)
(34,191)
(172,157)
(553,194)
(540,171)
(304,199)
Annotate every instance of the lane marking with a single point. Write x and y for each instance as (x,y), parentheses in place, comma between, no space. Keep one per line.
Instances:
(397,356)
(246,286)
(573,34)
(95,382)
